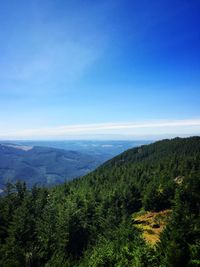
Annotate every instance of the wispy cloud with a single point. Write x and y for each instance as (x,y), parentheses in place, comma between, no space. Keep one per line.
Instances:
(130,129)
(49,54)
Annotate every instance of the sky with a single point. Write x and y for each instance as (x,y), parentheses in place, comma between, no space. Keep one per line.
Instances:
(104,69)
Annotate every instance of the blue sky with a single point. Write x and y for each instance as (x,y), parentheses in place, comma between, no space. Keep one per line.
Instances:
(89,65)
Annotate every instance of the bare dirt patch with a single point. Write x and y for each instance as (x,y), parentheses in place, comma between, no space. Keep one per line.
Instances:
(151,224)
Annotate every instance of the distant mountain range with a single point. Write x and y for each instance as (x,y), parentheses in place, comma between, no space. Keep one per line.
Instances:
(105,149)
(42,165)
(53,162)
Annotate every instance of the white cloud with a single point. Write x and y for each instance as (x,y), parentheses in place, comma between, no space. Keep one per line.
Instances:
(101,130)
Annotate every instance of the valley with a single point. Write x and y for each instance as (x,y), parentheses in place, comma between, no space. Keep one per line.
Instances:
(48,163)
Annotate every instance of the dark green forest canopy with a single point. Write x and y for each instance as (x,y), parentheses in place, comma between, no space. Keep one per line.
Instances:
(88,221)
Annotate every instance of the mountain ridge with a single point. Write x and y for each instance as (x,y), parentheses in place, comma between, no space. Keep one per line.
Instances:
(42,165)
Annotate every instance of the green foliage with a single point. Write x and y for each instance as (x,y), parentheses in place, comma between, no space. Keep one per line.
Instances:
(180,240)
(87,222)
(158,197)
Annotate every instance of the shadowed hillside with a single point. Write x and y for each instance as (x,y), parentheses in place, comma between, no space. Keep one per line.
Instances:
(42,165)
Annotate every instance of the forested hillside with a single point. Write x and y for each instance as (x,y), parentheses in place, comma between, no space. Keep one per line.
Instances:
(42,165)
(91,221)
